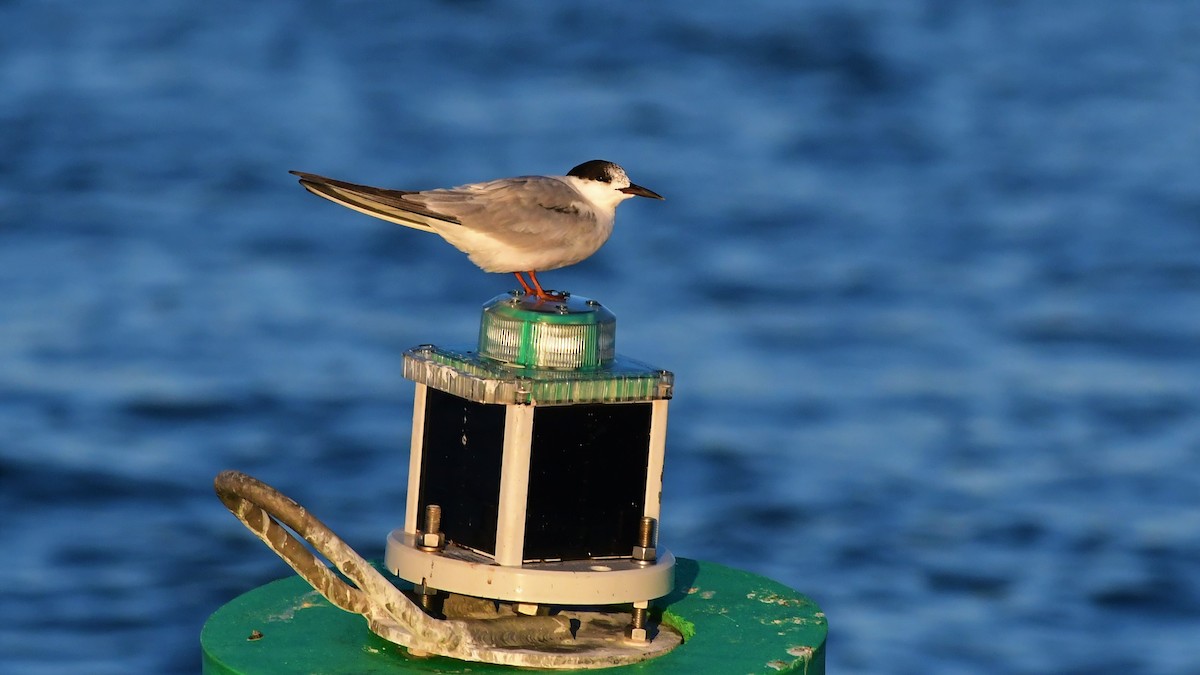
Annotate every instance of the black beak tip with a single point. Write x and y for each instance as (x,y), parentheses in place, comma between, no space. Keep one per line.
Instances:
(639,191)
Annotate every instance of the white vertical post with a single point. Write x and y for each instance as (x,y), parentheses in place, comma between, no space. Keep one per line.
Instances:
(656,458)
(414,460)
(514,484)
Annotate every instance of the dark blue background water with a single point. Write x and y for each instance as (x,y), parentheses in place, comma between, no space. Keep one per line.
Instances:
(928,275)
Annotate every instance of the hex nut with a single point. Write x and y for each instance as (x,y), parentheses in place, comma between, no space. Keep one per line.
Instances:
(645,553)
(431,540)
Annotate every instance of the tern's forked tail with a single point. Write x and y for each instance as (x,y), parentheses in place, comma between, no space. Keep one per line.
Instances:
(389,205)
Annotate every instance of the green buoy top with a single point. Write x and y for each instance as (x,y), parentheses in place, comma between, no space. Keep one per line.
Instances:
(733,622)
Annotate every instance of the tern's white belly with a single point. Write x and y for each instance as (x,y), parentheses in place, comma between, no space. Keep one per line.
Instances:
(489,252)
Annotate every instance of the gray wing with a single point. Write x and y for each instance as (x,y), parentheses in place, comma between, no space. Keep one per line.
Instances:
(527,212)
(391,205)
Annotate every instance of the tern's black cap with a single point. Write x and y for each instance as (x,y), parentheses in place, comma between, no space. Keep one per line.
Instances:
(597,169)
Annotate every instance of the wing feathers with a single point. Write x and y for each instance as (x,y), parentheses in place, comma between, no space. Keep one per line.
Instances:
(389,205)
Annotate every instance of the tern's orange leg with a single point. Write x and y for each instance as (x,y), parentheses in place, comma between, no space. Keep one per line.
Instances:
(543,295)
(524,285)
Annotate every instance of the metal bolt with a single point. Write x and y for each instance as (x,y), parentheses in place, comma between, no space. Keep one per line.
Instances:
(428,598)
(562,309)
(593,303)
(646,531)
(431,537)
(636,630)
(644,552)
(433,518)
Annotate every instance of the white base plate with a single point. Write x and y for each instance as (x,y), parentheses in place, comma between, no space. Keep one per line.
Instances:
(571,582)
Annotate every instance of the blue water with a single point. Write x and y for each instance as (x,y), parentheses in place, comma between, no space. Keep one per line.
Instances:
(928,274)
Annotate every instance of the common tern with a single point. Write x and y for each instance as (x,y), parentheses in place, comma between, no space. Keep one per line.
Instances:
(521,225)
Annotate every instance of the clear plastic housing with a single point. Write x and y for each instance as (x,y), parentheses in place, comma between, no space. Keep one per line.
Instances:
(469,375)
(575,333)
(541,352)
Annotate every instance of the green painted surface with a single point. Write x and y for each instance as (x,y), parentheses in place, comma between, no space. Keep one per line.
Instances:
(735,622)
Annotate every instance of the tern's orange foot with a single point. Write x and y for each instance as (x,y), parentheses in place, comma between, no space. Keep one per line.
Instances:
(542,294)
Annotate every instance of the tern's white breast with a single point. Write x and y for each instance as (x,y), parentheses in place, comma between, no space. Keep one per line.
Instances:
(493,251)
